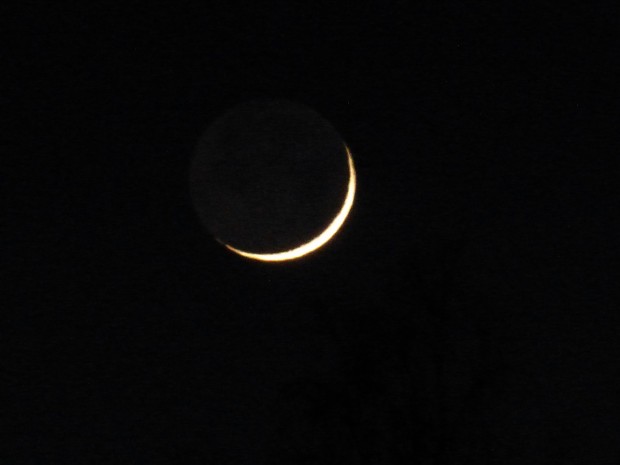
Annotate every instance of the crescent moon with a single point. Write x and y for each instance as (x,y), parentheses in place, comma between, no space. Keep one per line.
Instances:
(319,240)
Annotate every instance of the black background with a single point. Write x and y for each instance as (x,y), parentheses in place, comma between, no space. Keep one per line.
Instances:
(465,313)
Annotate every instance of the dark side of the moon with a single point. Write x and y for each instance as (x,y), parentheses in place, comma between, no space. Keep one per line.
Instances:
(269,176)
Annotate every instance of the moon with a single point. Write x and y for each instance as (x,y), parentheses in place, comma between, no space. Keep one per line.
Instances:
(322,238)
(272,180)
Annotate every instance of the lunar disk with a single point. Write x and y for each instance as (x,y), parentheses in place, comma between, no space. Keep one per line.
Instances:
(272,180)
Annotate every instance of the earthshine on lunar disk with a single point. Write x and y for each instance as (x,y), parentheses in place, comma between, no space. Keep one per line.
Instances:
(272,180)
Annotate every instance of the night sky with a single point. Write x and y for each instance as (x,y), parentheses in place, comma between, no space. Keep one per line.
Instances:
(465,313)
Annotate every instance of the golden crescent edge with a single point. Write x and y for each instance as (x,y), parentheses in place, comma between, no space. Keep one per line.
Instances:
(322,238)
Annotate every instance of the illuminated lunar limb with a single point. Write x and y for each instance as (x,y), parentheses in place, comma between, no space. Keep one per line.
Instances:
(319,240)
